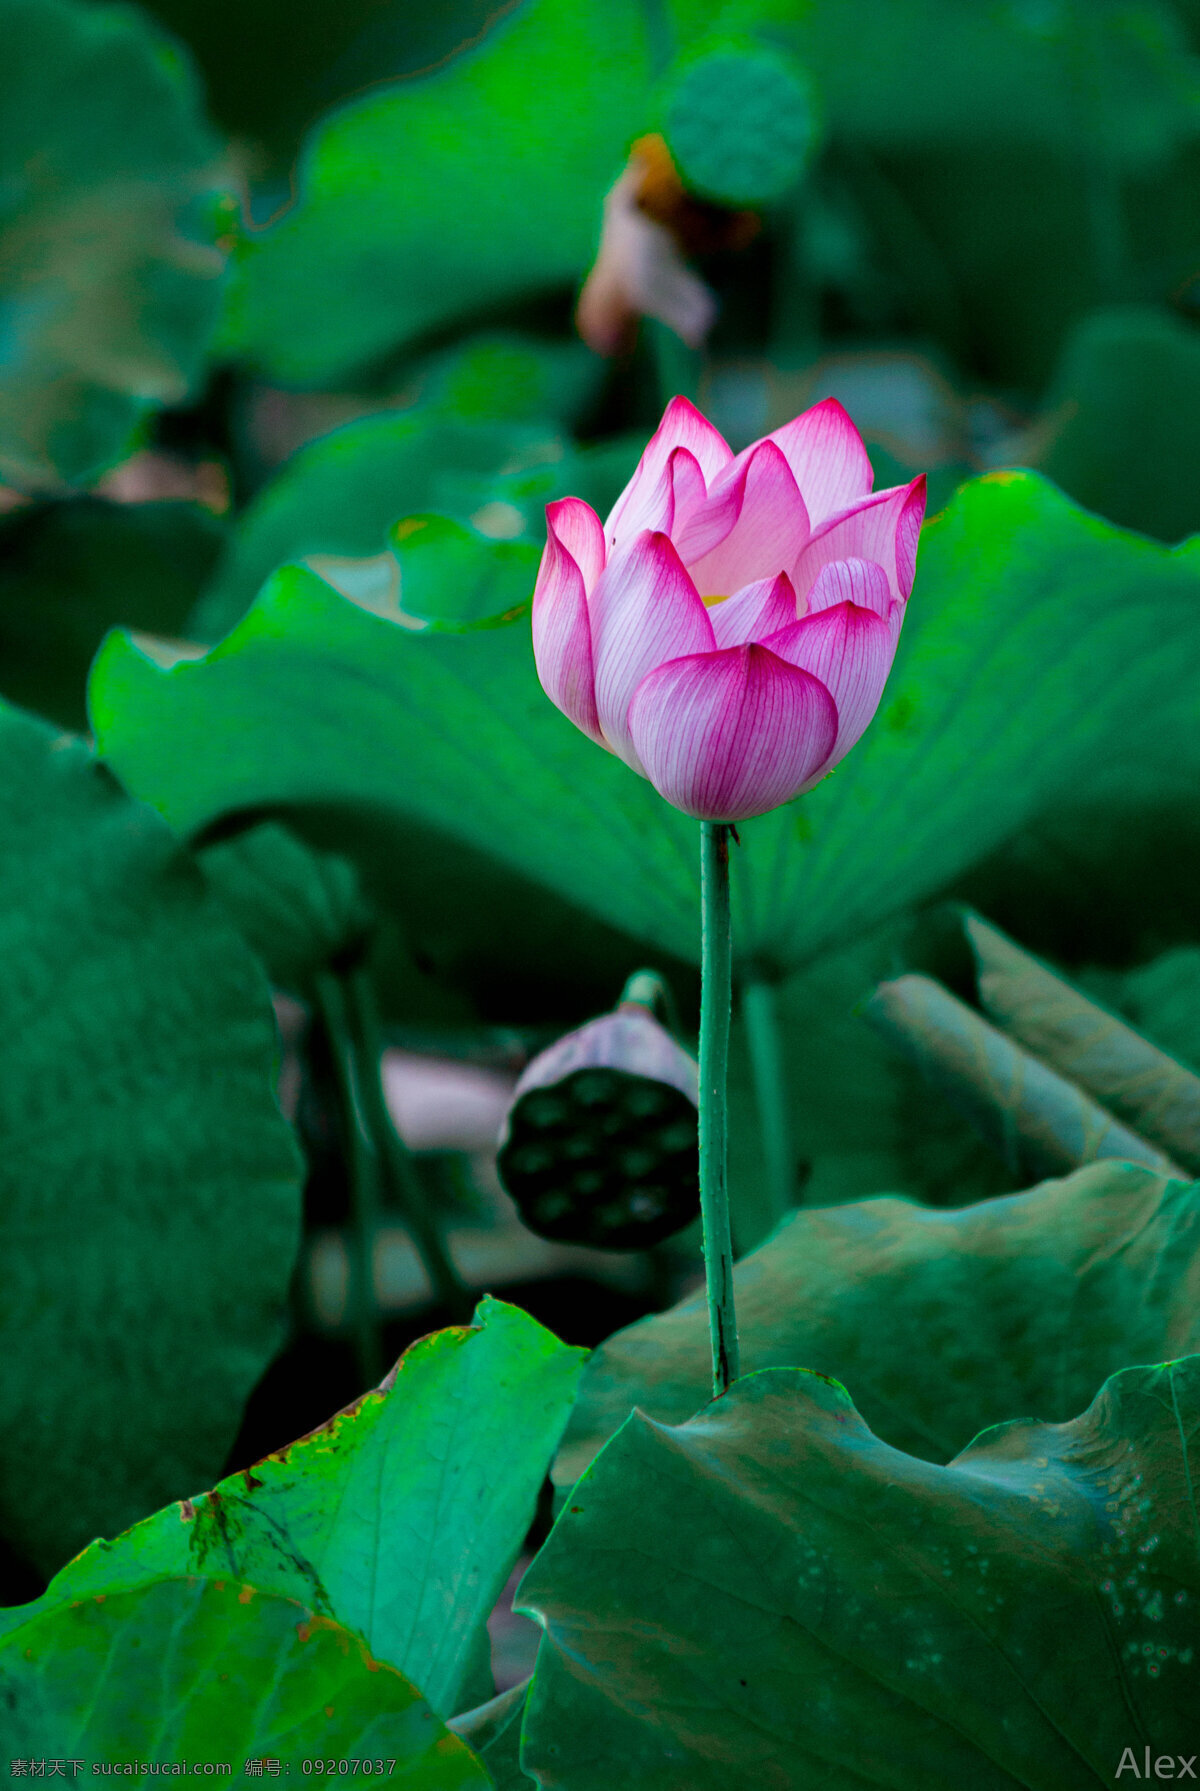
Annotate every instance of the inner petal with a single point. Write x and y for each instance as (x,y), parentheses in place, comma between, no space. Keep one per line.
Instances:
(752,525)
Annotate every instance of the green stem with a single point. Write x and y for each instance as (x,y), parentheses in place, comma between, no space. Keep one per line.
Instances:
(400,1173)
(677,367)
(647,989)
(715,996)
(364,1180)
(761,1014)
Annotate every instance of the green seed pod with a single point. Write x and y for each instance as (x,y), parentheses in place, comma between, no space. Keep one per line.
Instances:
(599,1145)
(741,123)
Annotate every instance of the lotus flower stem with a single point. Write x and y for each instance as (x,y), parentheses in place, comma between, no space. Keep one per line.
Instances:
(364,1179)
(715,998)
(761,1014)
(400,1173)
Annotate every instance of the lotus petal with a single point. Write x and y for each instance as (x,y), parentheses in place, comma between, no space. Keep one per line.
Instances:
(850,649)
(562,632)
(645,501)
(828,460)
(644,610)
(730,734)
(755,611)
(577,528)
(884,528)
(852,581)
(752,525)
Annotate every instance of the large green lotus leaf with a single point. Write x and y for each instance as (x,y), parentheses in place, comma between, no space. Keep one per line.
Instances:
(149,1188)
(112,214)
(1025,1303)
(342,494)
(400,1519)
(71,570)
(771,1595)
(1041,642)
(209,1673)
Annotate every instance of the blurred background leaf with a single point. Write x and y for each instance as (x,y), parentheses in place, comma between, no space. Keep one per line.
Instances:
(114,219)
(149,1187)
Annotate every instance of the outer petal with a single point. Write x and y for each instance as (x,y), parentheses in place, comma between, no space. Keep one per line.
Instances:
(754,612)
(828,460)
(851,651)
(753,525)
(643,503)
(852,581)
(884,528)
(577,528)
(731,734)
(644,610)
(562,635)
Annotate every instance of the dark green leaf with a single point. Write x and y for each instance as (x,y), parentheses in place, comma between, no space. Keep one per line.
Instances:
(1128,375)
(770,1595)
(341,495)
(1156,1096)
(206,1672)
(452,578)
(149,1189)
(70,571)
(111,212)
(1040,1122)
(494,1732)
(296,909)
(1025,1304)
(400,1519)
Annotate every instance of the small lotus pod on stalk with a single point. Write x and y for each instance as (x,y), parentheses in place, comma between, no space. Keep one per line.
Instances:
(599,1145)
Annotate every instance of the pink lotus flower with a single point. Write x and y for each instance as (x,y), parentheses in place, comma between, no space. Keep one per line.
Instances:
(729,630)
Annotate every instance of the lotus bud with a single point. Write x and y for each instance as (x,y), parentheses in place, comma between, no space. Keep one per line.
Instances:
(599,1145)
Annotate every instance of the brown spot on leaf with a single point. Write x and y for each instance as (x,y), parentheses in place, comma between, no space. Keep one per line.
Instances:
(187,1511)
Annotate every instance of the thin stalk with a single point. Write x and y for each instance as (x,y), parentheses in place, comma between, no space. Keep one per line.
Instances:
(647,989)
(761,1014)
(400,1174)
(677,368)
(715,997)
(364,1180)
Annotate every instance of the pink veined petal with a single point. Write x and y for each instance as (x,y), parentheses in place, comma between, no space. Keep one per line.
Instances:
(731,734)
(883,528)
(851,651)
(644,501)
(577,528)
(828,460)
(754,612)
(644,610)
(753,525)
(688,490)
(562,636)
(852,581)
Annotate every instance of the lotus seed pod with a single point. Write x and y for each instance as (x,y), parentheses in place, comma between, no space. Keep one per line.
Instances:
(741,123)
(599,1145)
